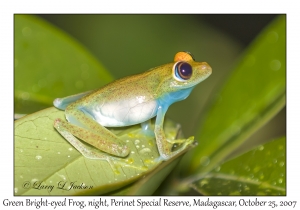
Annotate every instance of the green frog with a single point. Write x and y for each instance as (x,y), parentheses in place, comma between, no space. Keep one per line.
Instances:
(128,101)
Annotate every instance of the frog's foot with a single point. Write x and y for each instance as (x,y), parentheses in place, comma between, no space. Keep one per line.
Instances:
(184,143)
(176,141)
(181,144)
(189,141)
(86,151)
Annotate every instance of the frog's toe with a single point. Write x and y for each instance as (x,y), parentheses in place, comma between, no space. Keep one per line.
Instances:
(190,140)
(176,141)
(122,151)
(57,122)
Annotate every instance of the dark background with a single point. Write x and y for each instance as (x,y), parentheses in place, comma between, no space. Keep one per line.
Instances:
(244,28)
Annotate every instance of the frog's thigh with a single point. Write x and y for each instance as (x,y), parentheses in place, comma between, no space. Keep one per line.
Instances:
(88,130)
(62,103)
(62,129)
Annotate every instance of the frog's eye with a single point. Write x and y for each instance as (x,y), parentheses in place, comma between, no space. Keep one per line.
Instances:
(182,71)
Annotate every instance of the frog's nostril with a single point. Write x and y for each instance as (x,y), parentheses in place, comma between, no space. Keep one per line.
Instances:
(207,67)
(205,70)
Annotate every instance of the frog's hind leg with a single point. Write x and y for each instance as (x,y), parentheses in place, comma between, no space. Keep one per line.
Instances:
(90,132)
(83,149)
(62,128)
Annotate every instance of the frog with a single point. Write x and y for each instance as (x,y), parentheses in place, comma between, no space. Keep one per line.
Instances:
(131,100)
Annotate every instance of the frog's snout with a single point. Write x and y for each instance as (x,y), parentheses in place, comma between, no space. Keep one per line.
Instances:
(206,69)
(206,66)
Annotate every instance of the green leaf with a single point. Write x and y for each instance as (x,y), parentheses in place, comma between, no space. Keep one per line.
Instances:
(50,64)
(261,171)
(148,184)
(43,158)
(252,95)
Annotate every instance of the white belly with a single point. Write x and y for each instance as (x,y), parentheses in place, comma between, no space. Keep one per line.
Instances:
(124,113)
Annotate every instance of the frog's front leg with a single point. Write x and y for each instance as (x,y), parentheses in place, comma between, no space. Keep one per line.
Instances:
(88,130)
(163,144)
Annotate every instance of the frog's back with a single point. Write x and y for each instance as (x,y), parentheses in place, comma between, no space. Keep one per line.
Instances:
(124,102)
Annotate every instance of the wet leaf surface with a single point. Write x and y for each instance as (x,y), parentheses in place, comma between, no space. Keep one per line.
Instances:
(43,159)
(261,171)
(252,95)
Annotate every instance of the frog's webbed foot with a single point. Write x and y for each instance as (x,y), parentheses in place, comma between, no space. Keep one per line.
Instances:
(176,141)
(186,142)
(176,146)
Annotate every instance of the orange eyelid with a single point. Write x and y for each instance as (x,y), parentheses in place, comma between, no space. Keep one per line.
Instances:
(183,56)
